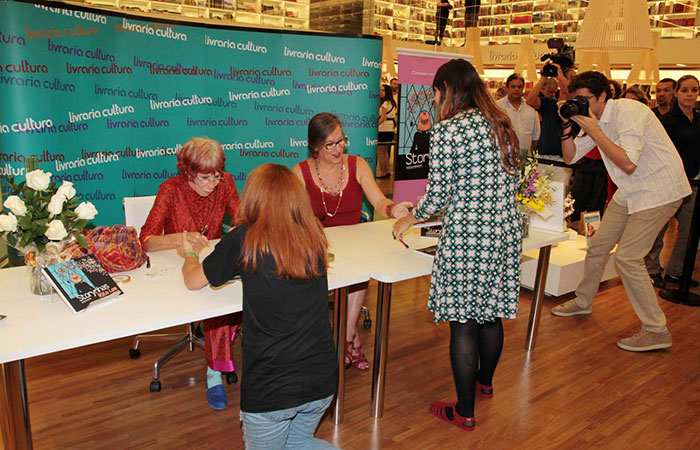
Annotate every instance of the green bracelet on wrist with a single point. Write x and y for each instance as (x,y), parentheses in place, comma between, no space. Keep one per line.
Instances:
(193,254)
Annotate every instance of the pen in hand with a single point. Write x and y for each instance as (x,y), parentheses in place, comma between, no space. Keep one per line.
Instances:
(204,229)
(400,240)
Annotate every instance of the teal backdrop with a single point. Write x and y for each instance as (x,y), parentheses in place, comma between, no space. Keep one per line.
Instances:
(106,100)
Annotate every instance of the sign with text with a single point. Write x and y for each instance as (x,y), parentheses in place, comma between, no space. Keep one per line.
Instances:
(106,100)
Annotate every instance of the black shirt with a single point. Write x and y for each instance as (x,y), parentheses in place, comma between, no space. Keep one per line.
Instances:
(685,135)
(550,134)
(288,351)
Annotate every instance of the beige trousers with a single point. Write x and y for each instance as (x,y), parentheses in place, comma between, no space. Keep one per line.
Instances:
(635,235)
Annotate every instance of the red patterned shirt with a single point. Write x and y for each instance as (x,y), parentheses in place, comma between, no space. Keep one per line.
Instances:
(179,208)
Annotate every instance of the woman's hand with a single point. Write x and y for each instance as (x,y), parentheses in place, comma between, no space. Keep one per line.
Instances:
(192,242)
(403,224)
(400,210)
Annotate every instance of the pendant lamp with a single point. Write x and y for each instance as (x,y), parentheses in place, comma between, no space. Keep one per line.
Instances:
(646,69)
(615,26)
(525,64)
(598,61)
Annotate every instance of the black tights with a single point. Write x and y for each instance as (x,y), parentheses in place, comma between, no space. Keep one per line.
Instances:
(474,352)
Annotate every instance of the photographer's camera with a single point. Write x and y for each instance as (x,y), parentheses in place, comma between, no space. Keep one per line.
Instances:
(577,106)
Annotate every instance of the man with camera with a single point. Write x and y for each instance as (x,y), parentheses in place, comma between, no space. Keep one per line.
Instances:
(549,142)
(648,171)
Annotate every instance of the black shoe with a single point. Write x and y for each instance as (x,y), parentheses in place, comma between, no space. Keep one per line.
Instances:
(672,279)
(657,280)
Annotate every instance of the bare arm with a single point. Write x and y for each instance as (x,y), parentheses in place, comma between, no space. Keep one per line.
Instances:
(192,270)
(533,96)
(382,116)
(173,240)
(374,194)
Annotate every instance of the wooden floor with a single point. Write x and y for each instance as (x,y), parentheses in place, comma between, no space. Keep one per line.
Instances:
(576,390)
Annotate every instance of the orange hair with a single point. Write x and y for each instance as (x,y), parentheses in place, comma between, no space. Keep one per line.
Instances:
(277,211)
(200,155)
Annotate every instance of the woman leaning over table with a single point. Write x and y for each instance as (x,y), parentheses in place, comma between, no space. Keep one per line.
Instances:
(279,251)
(476,273)
(194,202)
(335,183)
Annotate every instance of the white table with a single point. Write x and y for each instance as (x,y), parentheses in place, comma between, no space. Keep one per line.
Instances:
(40,325)
(388,262)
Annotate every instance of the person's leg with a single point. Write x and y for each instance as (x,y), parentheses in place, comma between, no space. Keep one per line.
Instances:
(651,261)
(268,430)
(303,426)
(218,335)
(464,355)
(635,243)
(611,228)
(490,346)
(684,216)
(383,160)
(355,356)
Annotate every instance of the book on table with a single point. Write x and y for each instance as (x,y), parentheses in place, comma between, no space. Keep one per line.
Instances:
(430,250)
(82,283)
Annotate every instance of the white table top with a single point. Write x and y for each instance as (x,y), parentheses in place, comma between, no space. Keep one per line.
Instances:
(39,325)
(371,246)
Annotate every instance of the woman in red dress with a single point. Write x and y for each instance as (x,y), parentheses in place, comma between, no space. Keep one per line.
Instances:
(195,202)
(336,183)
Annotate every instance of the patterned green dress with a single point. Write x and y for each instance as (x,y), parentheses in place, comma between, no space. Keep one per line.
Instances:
(476,272)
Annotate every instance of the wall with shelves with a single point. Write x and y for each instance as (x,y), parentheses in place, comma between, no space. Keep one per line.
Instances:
(269,13)
(506,21)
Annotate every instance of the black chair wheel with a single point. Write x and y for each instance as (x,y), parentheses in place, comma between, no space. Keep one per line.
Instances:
(368,323)
(155,386)
(134,353)
(231,378)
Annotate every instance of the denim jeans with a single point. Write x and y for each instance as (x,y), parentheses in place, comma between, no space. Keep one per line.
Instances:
(291,428)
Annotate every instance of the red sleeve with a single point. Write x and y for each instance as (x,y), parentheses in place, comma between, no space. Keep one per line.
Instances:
(232,199)
(155,223)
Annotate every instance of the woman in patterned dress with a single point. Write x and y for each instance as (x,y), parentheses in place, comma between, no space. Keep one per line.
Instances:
(476,273)
(194,203)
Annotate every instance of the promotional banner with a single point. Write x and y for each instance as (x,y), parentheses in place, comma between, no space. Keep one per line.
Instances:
(106,100)
(417,115)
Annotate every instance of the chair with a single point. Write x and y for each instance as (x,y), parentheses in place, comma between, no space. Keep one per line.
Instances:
(136,211)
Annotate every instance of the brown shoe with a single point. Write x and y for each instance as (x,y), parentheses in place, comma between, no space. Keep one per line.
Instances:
(645,341)
(570,308)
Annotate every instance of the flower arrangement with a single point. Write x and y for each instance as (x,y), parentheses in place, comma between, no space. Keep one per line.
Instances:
(41,212)
(535,191)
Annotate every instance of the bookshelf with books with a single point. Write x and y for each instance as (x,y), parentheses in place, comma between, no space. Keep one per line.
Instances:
(268,13)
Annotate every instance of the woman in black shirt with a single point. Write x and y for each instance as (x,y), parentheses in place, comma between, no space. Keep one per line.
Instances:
(279,250)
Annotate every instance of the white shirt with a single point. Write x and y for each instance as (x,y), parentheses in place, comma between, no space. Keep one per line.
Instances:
(390,122)
(659,178)
(525,121)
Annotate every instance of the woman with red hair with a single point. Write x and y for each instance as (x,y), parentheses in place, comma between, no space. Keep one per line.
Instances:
(194,203)
(278,248)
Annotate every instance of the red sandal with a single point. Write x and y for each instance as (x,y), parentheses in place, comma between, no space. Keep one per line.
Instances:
(438,410)
(485,391)
(354,357)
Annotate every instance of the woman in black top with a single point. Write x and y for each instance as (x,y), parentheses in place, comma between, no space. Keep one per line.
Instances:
(279,250)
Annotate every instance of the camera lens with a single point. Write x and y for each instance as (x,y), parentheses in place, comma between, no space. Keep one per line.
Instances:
(568,109)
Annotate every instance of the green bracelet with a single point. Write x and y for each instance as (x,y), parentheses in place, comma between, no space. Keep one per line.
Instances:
(193,254)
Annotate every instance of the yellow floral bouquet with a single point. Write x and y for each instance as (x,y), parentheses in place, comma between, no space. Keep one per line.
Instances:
(535,191)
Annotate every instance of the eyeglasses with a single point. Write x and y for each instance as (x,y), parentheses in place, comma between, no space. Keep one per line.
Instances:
(587,97)
(331,145)
(209,178)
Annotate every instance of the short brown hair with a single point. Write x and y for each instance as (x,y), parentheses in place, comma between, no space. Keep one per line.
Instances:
(320,127)
(200,155)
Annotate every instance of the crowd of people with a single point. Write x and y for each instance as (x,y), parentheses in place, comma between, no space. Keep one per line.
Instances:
(278,249)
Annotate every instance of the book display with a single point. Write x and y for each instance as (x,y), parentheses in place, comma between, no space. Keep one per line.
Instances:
(82,282)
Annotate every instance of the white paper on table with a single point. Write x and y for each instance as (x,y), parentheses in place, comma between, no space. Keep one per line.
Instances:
(555,222)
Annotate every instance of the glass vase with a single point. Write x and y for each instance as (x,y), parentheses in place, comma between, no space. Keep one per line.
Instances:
(525,222)
(36,261)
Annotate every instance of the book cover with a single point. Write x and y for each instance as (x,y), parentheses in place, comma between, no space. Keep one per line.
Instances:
(430,250)
(82,282)
(431,232)
(591,223)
